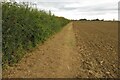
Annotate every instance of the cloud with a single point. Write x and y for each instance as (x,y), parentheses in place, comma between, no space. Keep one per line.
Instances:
(76,9)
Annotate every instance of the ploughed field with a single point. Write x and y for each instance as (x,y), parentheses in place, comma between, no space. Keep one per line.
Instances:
(97,45)
(82,49)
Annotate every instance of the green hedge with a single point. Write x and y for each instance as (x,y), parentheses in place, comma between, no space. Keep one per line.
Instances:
(24,27)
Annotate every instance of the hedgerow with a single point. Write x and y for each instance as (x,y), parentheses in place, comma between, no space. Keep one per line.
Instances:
(24,27)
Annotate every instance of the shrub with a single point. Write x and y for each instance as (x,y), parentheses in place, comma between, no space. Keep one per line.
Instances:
(24,27)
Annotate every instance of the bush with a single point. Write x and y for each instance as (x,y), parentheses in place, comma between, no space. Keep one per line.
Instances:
(24,28)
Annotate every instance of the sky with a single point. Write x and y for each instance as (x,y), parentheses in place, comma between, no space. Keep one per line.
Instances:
(79,9)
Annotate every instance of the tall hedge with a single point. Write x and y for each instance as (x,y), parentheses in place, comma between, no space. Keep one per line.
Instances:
(24,27)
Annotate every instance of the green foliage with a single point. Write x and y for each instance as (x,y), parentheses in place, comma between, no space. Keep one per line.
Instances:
(24,27)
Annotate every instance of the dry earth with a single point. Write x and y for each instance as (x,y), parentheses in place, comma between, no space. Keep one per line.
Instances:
(97,44)
(79,50)
(56,58)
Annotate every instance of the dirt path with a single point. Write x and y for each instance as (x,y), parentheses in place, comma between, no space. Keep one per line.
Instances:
(56,58)
(79,50)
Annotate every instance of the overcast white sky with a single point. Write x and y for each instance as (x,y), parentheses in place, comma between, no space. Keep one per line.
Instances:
(78,9)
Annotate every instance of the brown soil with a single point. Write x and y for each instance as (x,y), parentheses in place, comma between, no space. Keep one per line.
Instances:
(56,58)
(79,50)
(97,44)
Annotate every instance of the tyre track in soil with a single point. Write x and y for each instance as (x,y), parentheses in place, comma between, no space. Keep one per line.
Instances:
(56,58)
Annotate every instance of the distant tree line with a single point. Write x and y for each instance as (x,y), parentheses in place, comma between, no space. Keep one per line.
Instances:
(91,20)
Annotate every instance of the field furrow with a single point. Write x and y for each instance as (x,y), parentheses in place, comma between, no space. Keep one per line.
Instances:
(97,44)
